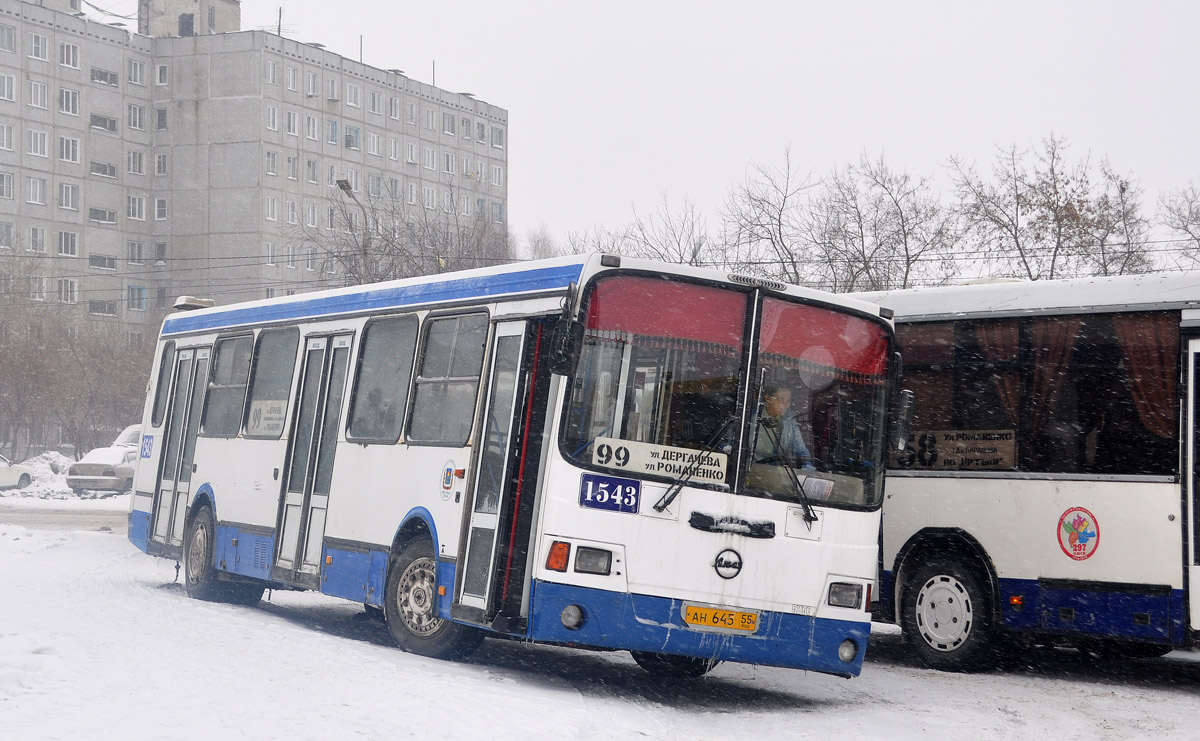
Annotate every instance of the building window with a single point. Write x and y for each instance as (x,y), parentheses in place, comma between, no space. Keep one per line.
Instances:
(68,290)
(37,94)
(310,127)
(68,101)
(466,128)
(37,239)
(37,46)
(292,122)
(68,55)
(137,72)
(293,215)
(68,196)
(6,235)
(310,84)
(104,169)
(352,95)
(411,197)
(291,256)
(331,89)
(410,113)
(7,83)
(430,197)
(374,184)
(68,149)
(497,137)
(394,108)
(272,158)
(68,244)
(102,262)
(447,201)
(135,208)
(104,77)
(331,132)
(271,73)
(373,143)
(293,168)
(103,122)
(6,137)
(374,101)
(411,157)
(311,170)
(136,298)
(103,308)
(448,160)
(136,116)
(428,121)
(102,215)
(272,118)
(353,137)
(160,255)
(38,143)
(37,289)
(272,209)
(394,149)
(311,262)
(429,158)
(160,119)
(135,253)
(498,213)
(6,187)
(497,175)
(161,75)
(212,18)
(481,132)
(8,38)
(160,164)
(448,126)
(37,191)
(310,215)
(136,162)
(269,248)
(160,209)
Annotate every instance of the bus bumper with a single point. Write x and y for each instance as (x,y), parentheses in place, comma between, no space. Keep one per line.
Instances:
(639,622)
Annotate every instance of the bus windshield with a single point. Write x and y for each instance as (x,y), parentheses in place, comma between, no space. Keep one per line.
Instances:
(663,367)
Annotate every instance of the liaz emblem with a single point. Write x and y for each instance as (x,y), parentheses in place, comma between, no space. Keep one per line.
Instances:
(728,563)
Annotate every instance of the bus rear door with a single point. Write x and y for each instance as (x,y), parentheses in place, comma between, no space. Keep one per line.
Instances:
(1191,475)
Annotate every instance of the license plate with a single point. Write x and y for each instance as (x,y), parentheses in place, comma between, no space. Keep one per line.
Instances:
(713,617)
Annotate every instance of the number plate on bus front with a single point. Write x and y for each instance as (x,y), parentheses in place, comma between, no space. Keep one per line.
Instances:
(713,617)
(610,493)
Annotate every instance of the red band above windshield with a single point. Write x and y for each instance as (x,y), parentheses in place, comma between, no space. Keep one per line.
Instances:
(659,308)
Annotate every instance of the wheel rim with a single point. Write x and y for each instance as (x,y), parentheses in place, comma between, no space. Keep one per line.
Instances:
(416,597)
(944,613)
(197,554)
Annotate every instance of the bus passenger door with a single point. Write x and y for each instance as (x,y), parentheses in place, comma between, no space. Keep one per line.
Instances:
(313,441)
(493,485)
(1191,476)
(175,476)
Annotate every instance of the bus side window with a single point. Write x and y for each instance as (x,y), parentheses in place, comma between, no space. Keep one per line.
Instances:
(164,383)
(227,387)
(381,382)
(448,381)
(271,382)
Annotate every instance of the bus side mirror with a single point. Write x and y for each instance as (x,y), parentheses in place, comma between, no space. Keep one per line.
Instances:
(565,345)
(902,421)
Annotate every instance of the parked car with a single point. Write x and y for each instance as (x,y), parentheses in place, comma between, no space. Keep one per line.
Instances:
(13,474)
(108,469)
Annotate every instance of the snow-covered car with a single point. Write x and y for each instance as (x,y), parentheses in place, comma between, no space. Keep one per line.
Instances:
(13,474)
(108,469)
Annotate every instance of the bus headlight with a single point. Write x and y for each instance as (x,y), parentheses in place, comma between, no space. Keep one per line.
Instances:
(848,650)
(843,594)
(572,617)
(593,561)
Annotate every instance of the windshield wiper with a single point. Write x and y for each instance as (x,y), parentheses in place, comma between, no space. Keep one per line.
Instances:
(673,490)
(810,515)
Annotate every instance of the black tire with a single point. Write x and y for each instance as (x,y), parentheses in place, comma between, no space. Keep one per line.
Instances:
(946,616)
(24,481)
(670,665)
(199,577)
(410,608)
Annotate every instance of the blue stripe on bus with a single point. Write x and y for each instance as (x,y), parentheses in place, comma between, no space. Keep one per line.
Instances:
(139,529)
(1155,618)
(368,299)
(643,623)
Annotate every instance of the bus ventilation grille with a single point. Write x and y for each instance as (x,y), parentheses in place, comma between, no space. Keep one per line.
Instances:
(747,280)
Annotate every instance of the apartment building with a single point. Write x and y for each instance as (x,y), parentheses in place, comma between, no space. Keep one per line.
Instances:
(195,158)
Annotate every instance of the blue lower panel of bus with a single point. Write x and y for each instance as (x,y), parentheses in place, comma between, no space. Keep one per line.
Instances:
(248,554)
(643,623)
(139,529)
(354,575)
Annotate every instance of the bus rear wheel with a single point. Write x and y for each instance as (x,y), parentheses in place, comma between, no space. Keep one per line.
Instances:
(946,616)
(669,665)
(410,608)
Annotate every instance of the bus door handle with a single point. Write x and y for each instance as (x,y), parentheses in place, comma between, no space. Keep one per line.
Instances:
(736,525)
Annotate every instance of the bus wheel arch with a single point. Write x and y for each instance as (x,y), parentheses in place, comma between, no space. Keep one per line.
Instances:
(201,578)
(410,606)
(947,599)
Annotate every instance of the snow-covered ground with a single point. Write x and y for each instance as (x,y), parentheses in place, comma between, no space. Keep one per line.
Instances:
(98,641)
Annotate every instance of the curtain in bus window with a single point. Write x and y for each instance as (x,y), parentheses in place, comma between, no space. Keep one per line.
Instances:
(1150,345)
(998,342)
(928,353)
(1052,340)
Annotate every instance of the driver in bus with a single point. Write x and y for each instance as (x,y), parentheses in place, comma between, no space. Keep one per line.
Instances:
(780,440)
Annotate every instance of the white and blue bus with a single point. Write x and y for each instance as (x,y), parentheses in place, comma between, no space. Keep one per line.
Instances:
(1048,493)
(566,451)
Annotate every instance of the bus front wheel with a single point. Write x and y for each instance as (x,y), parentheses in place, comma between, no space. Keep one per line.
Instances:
(410,609)
(200,578)
(946,616)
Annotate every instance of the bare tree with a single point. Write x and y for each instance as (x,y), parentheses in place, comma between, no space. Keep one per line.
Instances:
(1179,211)
(1118,235)
(764,218)
(676,235)
(381,234)
(540,244)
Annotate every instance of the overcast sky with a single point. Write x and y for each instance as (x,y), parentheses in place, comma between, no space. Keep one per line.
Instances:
(613,104)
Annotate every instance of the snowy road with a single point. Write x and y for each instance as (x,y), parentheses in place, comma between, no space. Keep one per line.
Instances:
(98,642)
